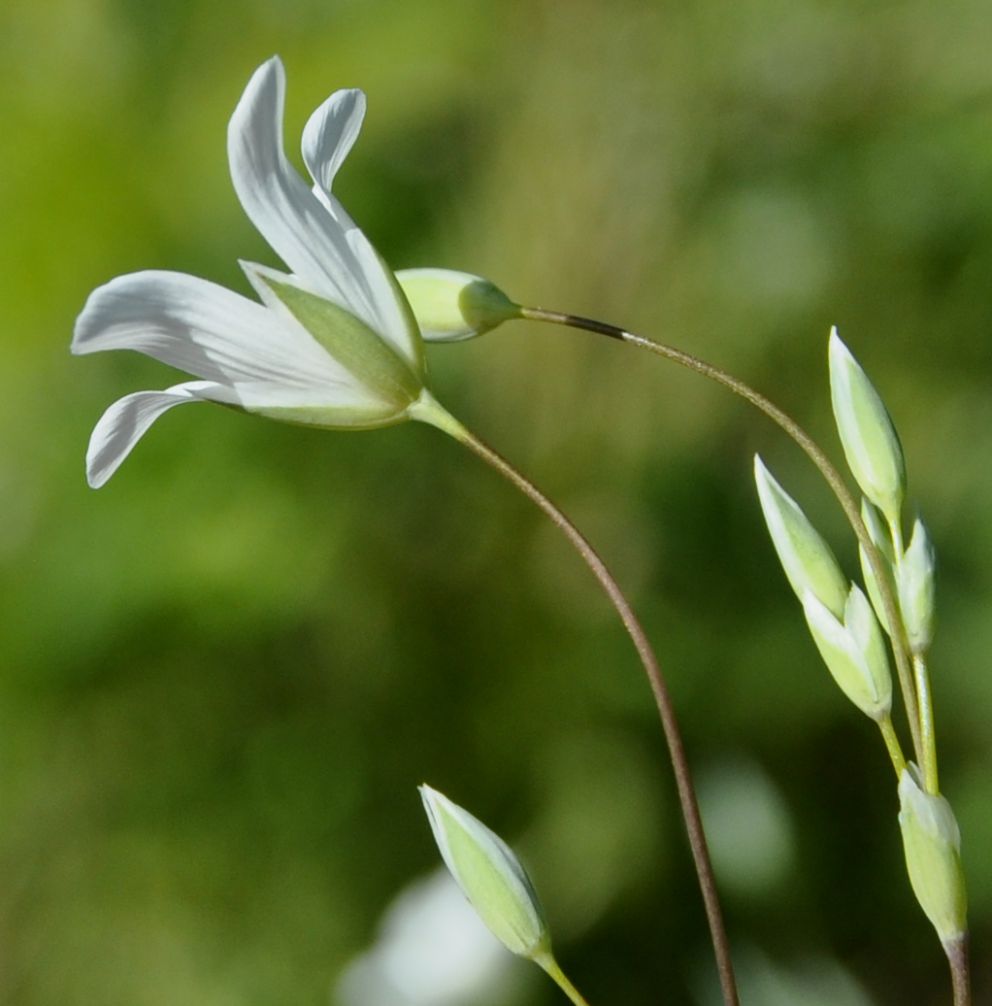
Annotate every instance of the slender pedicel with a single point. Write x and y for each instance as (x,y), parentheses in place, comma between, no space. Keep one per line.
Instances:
(432,413)
(957,957)
(812,451)
(550,965)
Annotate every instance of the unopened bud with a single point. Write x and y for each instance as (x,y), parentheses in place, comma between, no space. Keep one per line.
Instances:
(450,306)
(871,445)
(490,876)
(854,651)
(916,589)
(932,843)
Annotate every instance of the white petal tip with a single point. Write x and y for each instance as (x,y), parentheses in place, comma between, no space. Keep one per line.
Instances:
(838,348)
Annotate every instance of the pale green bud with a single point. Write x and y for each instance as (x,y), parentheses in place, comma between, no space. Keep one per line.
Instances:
(932,843)
(809,564)
(854,651)
(880,537)
(450,306)
(490,876)
(871,445)
(916,589)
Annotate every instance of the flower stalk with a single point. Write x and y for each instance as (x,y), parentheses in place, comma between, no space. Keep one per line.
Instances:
(555,973)
(812,451)
(659,688)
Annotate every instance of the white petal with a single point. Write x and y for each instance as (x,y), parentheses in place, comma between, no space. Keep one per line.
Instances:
(127,420)
(330,134)
(308,237)
(209,332)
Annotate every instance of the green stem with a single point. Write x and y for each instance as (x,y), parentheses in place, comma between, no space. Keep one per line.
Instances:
(550,965)
(892,745)
(812,451)
(429,411)
(931,780)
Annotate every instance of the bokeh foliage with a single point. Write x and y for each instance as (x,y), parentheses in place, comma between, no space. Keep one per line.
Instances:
(222,676)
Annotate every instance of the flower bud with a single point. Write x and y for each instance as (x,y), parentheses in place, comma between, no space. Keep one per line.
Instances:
(871,445)
(490,876)
(854,651)
(932,843)
(451,306)
(916,589)
(806,558)
(882,541)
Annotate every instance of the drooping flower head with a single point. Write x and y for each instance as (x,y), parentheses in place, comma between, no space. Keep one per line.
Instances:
(331,343)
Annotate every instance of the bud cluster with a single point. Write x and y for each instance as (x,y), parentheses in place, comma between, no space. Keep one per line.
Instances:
(847,626)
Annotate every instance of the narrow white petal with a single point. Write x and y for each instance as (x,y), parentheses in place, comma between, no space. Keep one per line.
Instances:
(127,420)
(276,199)
(209,332)
(312,236)
(330,134)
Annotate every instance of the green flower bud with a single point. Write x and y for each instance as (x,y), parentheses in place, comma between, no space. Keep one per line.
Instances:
(871,445)
(854,651)
(879,535)
(450,306)
(809,564)
(932,843)
(916,589)
(490,876)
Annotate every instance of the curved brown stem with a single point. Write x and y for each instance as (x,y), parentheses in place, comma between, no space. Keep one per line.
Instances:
(812,451)
(437,416)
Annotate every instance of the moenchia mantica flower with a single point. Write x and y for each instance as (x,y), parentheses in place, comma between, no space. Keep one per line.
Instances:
(332,343)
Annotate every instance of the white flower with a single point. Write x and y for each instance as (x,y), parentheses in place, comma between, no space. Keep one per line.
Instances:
(332,344)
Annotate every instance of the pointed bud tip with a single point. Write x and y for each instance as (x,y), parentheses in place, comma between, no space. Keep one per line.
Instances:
(806,558)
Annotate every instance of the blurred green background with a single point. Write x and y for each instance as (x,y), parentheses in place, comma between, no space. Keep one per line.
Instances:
(222,676)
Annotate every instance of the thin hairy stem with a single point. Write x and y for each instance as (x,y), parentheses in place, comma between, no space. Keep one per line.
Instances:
(812,451)
(957,957)
(437,416)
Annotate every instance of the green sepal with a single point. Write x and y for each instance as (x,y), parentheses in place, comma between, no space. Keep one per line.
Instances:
(361,351)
